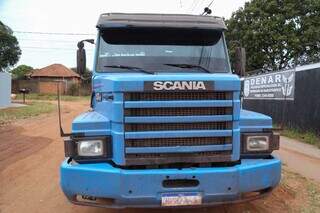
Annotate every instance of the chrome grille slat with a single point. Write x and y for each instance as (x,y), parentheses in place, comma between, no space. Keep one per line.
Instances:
(136,127)
(163,142)
(152,155)
(169,96)
(178,111)
(172,158)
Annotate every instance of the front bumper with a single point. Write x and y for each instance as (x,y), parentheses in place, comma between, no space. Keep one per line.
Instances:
(143,188)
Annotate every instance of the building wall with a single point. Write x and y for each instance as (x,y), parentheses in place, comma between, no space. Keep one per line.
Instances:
(66,79)
(25,84)
(45,85)
(49,87)
(5,89)
(42,87)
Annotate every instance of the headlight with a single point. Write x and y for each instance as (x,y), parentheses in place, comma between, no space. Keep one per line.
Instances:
(84,149)
(90,148)
(257,143)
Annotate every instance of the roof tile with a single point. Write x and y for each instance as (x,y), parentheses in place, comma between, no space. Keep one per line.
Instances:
(54,70)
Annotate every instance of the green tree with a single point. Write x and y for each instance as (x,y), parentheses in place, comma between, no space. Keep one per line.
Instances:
(86,76)
(9,48)
(21,71)
(276,33)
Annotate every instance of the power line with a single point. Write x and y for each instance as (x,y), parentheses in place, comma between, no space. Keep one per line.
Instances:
(47,40)
(192,5)
(53,33)
(51,48)
(196,5)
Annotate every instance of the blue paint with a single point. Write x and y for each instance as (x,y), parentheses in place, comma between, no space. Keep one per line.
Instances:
(108,119)
(216,184)
(179,149)
(254,122)
(178,134)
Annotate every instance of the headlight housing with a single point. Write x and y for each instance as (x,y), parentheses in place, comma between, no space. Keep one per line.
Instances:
(259,143)
(88,149)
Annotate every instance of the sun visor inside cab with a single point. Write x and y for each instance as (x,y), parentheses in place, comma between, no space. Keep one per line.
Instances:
(161,36)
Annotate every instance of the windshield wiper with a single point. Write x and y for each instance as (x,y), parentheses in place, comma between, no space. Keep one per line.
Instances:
(129,68)
(189,66)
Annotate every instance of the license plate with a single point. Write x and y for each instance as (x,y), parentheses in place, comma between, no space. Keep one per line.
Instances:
(181,199)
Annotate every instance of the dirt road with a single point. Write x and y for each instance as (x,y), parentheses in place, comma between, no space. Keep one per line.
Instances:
(32,150)
(300,157)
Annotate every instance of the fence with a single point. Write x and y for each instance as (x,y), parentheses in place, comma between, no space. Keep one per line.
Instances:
(302,113)
(35,86)
(50,87)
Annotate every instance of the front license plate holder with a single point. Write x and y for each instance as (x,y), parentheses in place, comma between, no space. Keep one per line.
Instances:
(181,199)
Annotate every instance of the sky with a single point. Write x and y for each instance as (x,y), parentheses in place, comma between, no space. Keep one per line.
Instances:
(46,28)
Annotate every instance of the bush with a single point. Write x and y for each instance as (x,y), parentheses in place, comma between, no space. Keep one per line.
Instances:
(73,90)
(303,136)
(85,89)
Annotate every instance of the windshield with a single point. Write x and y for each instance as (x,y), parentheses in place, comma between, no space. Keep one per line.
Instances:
(157,58)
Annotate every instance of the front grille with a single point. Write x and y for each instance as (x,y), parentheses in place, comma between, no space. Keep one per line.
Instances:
(167,142)
(185,158)
(129,127)
(142,150)
(186,111)
(169,96)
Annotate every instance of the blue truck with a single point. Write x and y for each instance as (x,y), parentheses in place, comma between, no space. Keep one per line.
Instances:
(166,127)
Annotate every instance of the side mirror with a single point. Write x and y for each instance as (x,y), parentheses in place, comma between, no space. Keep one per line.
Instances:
(240,61)
(81,59)
(81,56)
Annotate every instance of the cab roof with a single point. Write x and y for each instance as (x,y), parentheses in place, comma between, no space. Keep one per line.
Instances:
(144,20)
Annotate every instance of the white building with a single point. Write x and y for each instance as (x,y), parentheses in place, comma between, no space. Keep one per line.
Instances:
(5,89)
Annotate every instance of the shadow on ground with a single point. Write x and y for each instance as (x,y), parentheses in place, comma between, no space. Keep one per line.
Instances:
(14,145)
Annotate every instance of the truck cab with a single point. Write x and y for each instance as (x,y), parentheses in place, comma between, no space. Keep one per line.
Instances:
(166,126)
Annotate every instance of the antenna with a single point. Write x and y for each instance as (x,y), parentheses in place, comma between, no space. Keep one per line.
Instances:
(207,10)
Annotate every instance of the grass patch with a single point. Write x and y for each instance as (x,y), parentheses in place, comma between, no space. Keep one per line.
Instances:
(31,110)
(301,194)
(314,195)
(304,136)
(51,97)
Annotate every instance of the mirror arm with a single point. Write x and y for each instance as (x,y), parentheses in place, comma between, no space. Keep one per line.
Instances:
(93,94)
(81,43)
